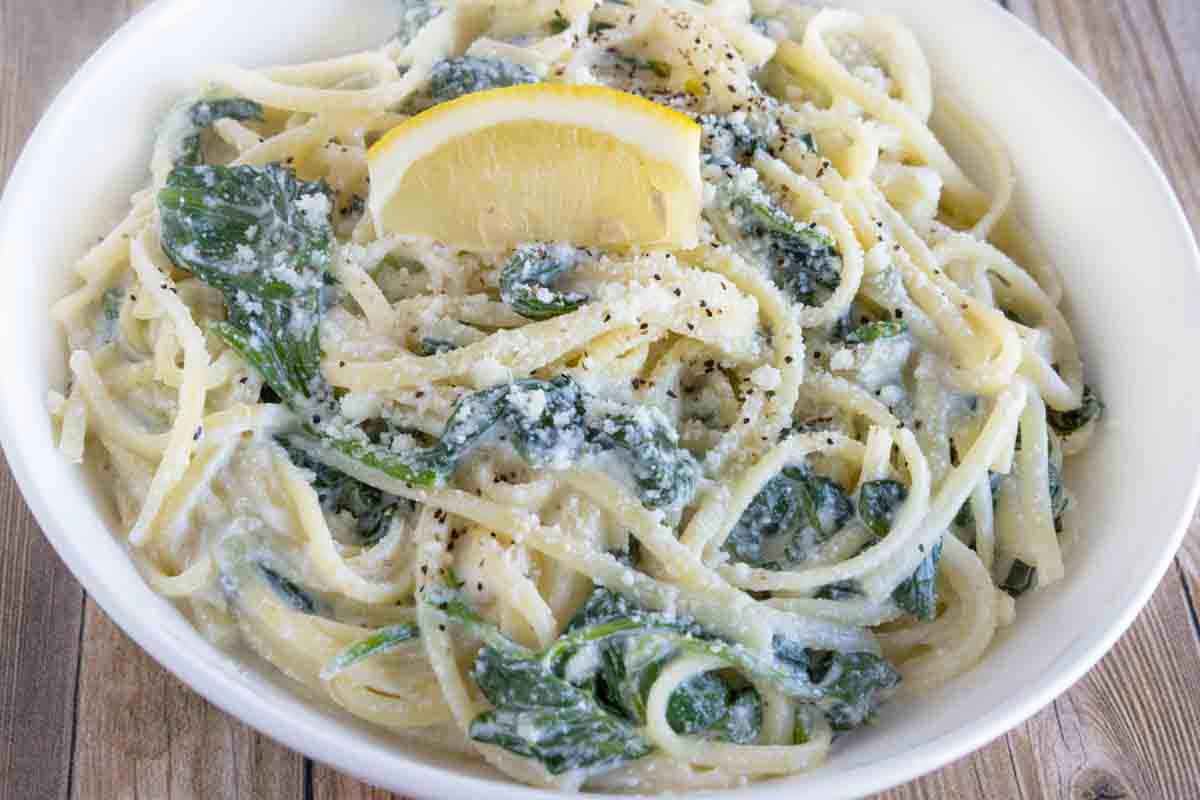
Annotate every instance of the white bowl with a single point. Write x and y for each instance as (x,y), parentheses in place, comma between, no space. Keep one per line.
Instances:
(1088,187)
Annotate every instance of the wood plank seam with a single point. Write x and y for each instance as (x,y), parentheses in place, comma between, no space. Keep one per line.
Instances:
(1013,762)
(70,782)
(1191,600)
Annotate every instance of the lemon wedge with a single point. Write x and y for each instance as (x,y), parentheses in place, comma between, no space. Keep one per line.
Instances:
(588,165)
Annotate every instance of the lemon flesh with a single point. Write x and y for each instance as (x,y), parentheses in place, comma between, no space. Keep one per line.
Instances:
(581,164)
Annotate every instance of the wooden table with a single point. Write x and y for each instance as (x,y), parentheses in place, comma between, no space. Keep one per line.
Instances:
(84,713)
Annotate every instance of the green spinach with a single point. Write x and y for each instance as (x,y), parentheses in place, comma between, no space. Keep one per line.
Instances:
(526,278)
(853,685)
(543,418)
(578,704)
(337,492)
(263,238)
(1066,423)
(729,140)
(1021,578)
(794,511)
(290,593)
(965,518)
(432,346)
(847,687)
(698,704)
(665,473)
(917,594)
(414,15)
(874,331)
(802,260)
(877,506)
(201,116)
(455,77)
(111,304)
(541,716)
(382,641)
(558,23)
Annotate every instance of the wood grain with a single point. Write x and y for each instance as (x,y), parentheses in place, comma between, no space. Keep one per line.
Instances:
(141,733)
(40,603)
(40,624)
(86,714)
(329,784)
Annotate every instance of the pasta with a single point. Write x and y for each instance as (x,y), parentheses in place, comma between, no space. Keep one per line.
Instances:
(626,518)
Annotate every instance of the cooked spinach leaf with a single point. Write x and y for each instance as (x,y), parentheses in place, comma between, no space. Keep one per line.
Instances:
(826,505)
(665,473)
(917,594)
(965,518)
(543,418)
(526,278)
(743,723)
(337,492)
(628,667)
(874,331)
(707,706)
(848,686)
(1021,578)
(110,314)
(431,346)
(771,513)
(839,590)
(1059,501)
(562,738)
(288,591)
(263,238)
(852,684)
(1067,422)
(877,504)
(382,641)
(452,78)
(698,704)
(793,512)
(202,115)
(725,139)
(548,422)
(541,716)
(414,15)
(801,258)
(538,714)
(558,23)
(608,616)
(603,666)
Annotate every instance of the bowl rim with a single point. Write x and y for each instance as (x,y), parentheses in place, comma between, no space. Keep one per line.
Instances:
(314,740)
